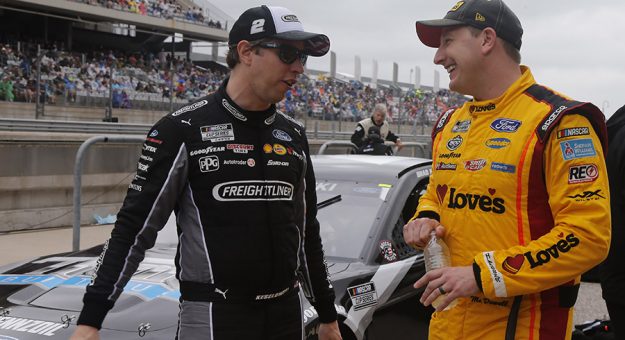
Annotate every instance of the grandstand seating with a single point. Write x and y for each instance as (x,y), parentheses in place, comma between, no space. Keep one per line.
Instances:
(143,81)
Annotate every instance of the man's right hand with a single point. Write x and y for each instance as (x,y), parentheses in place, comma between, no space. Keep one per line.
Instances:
(417,232)
(84,332)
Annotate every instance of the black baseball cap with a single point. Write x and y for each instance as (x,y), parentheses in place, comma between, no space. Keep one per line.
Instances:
(476,13)
(276,22)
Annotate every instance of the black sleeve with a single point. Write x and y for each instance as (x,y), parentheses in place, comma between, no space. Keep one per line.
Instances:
(392,137)
(160,177)
(358,135)
(323,292)
(612,271)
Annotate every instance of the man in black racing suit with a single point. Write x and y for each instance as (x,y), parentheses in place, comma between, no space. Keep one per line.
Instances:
(242,187)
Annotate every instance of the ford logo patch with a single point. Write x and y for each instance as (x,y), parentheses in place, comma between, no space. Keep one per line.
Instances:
(281,135)
(505,125)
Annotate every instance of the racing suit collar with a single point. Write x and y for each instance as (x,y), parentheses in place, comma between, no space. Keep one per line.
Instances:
(265,117)
(497,105)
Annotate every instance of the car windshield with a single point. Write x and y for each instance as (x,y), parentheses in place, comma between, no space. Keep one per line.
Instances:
(345,224)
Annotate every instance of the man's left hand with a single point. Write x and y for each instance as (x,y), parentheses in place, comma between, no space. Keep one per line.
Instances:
(455,281)
(329,331)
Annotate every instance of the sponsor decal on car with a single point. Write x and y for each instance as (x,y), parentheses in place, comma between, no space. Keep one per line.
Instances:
(587,195)
(154,133)
(564,245)
(454,143)
(267,148)
(217,133)
(461,126)
(281,135)
(475,164)
(458,200)
(209,163)
(505,125)
(577,148)
(268,190)
(571,132)
(326,186)
(497,143)
(424,172)
(388,251)
(135,187)
(583,173)
(45,328)
(251,162)
(363,295)
(311,313)
(503,167)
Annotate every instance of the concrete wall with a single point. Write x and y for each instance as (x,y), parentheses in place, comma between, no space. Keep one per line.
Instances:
(36,169)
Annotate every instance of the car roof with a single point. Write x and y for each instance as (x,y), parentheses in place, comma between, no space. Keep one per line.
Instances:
(364,168)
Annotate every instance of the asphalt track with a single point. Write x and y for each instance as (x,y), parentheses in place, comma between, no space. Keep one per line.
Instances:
(19,246)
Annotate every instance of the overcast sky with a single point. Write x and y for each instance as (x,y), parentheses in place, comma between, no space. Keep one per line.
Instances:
(576,47)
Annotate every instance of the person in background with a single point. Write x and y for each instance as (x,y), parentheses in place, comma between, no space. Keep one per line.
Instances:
(522,215)
(612,270)
(374,144)
(239,177)
(378,118)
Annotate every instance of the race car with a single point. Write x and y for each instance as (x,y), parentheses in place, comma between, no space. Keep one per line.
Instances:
(363,203)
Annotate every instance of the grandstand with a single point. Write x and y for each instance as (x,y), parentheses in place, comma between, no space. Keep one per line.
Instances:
(121,54)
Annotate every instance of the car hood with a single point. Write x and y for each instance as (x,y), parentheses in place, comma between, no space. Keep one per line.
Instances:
(39,297)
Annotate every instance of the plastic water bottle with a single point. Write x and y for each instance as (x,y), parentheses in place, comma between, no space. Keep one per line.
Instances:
(436,255)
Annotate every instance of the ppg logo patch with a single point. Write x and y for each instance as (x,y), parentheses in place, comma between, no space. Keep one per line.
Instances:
(209,163)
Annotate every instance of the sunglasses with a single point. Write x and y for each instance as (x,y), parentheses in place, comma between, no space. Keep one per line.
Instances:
(287,53)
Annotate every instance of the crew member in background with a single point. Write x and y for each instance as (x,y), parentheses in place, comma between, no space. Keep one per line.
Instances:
(378,118)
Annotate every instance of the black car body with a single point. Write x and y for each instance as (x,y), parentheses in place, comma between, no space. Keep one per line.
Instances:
(363,203)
